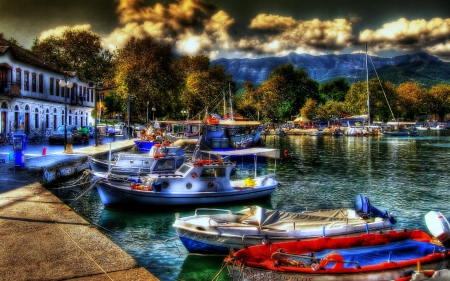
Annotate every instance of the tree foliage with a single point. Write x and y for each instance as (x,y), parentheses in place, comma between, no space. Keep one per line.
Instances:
(78,51)
(334,90)
(144,71)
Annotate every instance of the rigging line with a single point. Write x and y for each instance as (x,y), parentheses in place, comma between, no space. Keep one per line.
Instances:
(381,85)
(65,232)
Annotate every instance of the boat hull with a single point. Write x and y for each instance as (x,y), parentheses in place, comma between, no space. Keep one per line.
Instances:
(386,256)
(221,243)
(114,196)
(252,274)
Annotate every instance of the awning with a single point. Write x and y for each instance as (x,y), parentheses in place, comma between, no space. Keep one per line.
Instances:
(268,152)
(302,119)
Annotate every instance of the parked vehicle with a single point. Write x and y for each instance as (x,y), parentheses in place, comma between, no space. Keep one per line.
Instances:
(118,129)
(72,132)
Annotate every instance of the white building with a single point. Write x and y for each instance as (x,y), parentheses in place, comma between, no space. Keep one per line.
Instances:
(31,98)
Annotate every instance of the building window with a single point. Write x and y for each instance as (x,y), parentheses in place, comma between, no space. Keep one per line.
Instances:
(57,87)
(33,82)
(26,82)
(52,82)
(41,83)
(19,78)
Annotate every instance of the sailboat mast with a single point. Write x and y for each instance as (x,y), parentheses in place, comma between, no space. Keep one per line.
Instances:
(367,84)
(231,104)
(224,104)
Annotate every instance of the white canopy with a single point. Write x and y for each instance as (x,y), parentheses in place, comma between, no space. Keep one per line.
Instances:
(268,152)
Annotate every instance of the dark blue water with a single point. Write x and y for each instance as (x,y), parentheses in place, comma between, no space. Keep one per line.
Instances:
(408,176)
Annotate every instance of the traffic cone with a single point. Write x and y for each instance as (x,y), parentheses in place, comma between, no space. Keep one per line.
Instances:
(44,151)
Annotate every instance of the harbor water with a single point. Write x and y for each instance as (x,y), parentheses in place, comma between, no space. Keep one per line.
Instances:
(407,176)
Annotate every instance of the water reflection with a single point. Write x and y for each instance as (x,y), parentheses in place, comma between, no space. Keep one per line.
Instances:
(407,176)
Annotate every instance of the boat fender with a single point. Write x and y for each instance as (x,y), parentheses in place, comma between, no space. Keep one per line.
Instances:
(133,185)
(333,257)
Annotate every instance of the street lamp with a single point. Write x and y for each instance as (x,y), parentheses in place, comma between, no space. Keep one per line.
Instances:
(183,112)
(129,98)
(148,103)
(96,86)
(153,109)
(68,85)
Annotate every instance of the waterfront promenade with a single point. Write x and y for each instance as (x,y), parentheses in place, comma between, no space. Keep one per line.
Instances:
(41,238)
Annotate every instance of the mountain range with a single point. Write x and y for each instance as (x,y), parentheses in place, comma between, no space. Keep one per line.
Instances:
(423,68)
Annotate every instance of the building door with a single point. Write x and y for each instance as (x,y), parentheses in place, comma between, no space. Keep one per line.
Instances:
(3,128)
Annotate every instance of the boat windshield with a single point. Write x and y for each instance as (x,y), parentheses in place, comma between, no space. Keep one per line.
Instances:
(213,173)
(184,168)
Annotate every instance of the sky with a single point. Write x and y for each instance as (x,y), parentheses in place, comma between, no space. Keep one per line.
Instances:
(242,28)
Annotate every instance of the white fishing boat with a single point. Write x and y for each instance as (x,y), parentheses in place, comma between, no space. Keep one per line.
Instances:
(439,127)
(215,231)
(128,163)
(199,182)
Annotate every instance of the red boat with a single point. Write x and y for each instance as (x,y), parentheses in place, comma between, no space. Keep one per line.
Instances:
(384,256)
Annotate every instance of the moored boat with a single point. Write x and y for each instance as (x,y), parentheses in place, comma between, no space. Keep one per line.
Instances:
(126,163)
(215,231)
(199,182)
(384,256)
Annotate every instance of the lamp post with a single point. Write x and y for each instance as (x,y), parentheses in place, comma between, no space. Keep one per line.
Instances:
(65,84)
(183,112)
(129,98)
(148,103)
(153,109)
(96,86)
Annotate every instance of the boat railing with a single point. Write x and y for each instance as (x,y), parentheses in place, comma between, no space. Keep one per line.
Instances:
(212,210)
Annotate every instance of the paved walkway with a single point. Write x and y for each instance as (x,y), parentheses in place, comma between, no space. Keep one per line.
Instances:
(41,238)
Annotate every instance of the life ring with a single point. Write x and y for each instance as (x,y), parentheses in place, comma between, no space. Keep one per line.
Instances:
(333,257)
(194,175)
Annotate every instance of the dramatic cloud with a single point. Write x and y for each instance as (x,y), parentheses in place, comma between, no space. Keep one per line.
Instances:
(284,35)
(58,31)
(411,36)
(199,27)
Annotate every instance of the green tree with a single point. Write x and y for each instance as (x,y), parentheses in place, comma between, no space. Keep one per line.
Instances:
(114,104)
(334,90)
(438,98)
(309,109)
(144,71)
(78,51)
(331,109)
(410,99)
(286,90)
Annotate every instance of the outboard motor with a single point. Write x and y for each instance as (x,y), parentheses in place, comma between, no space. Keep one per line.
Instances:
(362,204)
(438,226)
